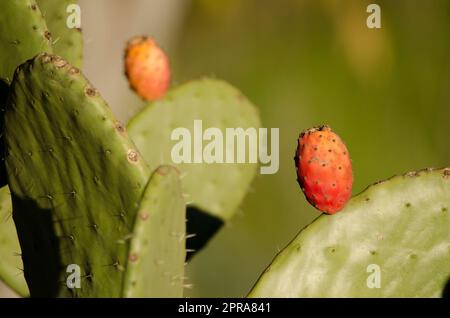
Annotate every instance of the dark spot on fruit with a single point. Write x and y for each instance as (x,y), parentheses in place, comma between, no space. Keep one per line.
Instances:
(323,164)
(333,140)
(315,148)
(413,256)
(367,199)
(333,185)
(329,150)
(340,168)
(33,7)
(407,204)
(373,252)
(444,209)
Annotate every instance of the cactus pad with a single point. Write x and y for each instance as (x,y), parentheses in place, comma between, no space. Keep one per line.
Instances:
(67,42)
(75,177)
(215,188)
(4,90)
(400,226)
(23,34)
(10,261)
(157,252)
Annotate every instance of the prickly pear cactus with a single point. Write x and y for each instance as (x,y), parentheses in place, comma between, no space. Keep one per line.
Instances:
(23,34)
(10,260)
(157,252)
(67,39)
(399,227)
(75,178)
(213,190)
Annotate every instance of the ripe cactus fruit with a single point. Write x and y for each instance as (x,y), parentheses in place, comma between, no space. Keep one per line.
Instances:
(147,68)
(157,249)
(23,34)
(398,229)
(10,260)
(67,42)
(324,169)
(75,179)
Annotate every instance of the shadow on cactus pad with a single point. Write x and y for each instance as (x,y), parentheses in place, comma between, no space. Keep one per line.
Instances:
(200,227)
(446,293)
(40,247)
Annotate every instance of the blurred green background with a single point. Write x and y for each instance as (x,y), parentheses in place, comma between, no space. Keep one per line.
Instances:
(385,91)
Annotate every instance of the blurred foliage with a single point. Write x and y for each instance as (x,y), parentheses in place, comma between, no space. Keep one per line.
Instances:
(385,91)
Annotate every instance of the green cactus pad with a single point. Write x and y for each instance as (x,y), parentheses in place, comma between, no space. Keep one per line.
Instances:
(67,42)
(75,177)
(214,188)
(10,261)
(157,252)
(4,90)
(400,226)
(23,34)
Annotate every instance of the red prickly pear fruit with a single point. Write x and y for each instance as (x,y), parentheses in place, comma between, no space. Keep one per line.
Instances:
(147,68)
(324,169)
